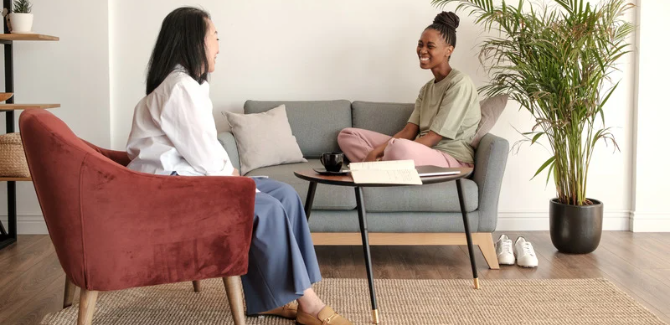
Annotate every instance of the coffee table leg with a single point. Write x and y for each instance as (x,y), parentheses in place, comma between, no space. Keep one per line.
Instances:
(466,225)
(366,252)
(310,198)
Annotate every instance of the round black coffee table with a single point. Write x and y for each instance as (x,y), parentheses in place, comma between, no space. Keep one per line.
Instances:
(315,178)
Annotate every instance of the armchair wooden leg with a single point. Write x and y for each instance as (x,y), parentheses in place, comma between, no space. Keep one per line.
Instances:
(86,306)
(196,286)
(68,295)
(234,291)
(489,250)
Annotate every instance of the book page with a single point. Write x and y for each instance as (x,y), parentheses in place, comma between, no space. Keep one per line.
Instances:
(383,165)
(398,176)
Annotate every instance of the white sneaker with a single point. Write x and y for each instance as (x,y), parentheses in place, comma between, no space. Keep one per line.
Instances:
(525,254)
(504,250)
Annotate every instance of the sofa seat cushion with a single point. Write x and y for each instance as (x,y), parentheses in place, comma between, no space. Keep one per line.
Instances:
(441,197)
(395,222)
(328,197)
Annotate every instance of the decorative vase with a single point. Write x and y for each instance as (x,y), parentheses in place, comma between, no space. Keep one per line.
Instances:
(21,23)
(575,229)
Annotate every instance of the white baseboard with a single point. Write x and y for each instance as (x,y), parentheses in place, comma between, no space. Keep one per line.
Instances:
(507,221)
(28,225)
(539,221)
(650,222)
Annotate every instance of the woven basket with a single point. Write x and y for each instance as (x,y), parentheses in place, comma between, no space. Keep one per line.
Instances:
(12,159)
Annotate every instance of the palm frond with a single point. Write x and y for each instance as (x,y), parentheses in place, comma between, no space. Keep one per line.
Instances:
(555,61)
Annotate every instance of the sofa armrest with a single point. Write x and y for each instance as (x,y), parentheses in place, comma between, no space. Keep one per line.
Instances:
(490,162)
(228,142)
(142,229)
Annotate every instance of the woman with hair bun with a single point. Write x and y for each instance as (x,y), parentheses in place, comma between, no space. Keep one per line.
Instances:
(445,117)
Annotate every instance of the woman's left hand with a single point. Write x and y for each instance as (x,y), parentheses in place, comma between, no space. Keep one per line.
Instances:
(430,139)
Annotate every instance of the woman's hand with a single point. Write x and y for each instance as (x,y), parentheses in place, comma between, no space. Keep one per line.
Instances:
(374,155)
(236,172)
(429,140)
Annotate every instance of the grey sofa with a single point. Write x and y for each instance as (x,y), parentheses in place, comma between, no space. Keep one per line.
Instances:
(423,215)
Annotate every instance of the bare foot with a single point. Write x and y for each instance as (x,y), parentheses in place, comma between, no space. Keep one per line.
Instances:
(310,303)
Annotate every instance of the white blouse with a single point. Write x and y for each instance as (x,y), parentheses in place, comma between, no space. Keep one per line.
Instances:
(173,131)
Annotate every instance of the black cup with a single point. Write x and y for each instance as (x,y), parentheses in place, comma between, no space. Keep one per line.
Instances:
(332,161)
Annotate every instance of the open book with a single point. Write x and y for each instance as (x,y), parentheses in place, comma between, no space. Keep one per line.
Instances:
(385,172)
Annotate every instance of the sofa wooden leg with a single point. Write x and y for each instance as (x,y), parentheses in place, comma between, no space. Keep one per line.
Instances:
(234,291)
(196,286)
(68,294)
(86,306)
(488,250)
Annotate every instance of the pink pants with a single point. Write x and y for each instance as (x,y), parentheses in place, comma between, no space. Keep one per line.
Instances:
(357,144)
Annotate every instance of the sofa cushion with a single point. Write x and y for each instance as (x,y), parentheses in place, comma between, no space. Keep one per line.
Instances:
(315,124)
(441,197)
(491,109)
(385,118)
(274,145)
(398,222)
(328,197)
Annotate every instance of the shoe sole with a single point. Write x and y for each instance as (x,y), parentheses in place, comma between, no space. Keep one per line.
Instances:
(260,315)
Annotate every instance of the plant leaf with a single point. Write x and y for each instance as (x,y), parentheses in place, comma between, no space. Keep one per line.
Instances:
(546,163)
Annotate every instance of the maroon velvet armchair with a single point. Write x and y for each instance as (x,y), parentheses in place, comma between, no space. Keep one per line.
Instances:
(114,228)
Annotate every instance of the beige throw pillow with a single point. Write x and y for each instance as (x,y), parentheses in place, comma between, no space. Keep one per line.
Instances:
(264,139)
(491,109)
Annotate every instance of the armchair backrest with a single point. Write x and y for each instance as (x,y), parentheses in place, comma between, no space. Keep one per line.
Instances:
(55,157)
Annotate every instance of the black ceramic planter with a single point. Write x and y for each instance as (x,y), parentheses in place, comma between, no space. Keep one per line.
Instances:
(575,229)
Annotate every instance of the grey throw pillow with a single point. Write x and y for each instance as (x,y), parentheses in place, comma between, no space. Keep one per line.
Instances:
(491,109)
(264,139)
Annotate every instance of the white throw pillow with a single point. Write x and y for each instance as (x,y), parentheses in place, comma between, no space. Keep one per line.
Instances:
(264,139)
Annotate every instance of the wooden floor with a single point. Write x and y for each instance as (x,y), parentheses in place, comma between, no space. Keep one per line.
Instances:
(31,280)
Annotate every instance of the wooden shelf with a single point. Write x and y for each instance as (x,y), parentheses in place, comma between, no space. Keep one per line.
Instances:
(11,107)
(15,179)
(27,37)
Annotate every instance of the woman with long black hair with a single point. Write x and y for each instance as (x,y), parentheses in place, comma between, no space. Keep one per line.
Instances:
(173,133)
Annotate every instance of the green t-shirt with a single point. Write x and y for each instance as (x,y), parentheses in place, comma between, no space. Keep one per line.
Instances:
(451,109)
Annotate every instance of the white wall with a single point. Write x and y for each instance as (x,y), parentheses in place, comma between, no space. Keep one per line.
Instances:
(356,50)
(301,50)
(652,212)
(73,72)
(294,49)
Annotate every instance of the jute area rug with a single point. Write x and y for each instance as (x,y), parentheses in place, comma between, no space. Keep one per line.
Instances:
(401,302)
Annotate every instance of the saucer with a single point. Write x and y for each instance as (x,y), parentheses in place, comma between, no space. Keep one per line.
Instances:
(323,171)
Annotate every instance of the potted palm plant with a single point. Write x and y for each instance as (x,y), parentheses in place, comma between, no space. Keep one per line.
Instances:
(21,18)
(556,61)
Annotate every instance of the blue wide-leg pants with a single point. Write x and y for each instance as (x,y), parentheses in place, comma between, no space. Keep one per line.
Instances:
(282,260)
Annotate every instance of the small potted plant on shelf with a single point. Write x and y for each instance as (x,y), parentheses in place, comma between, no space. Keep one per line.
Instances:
(21,18)
(556,60)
